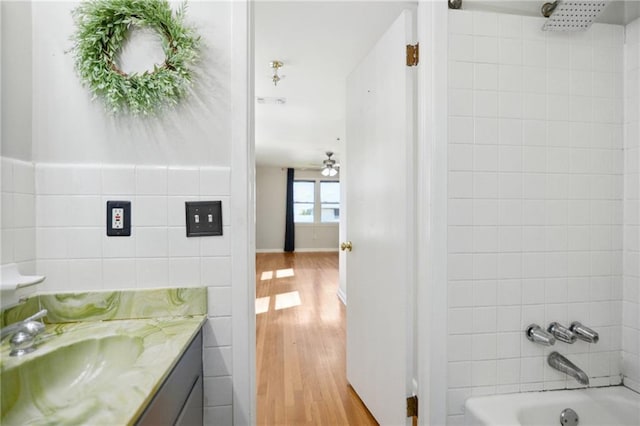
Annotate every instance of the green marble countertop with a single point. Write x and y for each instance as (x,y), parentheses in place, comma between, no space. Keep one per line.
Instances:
(98,373)
(102,357)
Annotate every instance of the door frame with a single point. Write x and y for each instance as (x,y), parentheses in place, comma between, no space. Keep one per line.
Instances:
(243,246)
(431,212)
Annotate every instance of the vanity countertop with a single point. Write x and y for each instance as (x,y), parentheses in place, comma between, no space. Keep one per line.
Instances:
(99,372)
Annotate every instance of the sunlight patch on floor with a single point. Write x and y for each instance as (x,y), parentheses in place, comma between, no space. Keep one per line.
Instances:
(280,273)
(284,273)
(262,305)
(287,300)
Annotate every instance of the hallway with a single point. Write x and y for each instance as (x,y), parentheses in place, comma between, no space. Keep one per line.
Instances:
(300,335)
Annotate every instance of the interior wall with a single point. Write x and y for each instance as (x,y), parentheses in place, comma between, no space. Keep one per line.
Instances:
(16,74)
(18,215)
(83,156)
(197,132)
(17,204)
(535,188)
(631,288)
(271,201)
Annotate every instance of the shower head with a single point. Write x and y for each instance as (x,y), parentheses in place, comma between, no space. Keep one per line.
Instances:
(572,15)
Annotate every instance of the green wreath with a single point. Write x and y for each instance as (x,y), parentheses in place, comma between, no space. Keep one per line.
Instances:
(102,28)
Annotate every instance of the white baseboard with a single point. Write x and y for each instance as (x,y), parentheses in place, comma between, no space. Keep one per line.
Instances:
(300,250)
(342,296)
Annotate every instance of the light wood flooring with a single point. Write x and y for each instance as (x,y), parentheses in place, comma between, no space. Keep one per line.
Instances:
(301,339)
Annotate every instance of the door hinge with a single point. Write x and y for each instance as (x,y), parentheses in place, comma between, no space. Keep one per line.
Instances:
(413,54)
(412,406)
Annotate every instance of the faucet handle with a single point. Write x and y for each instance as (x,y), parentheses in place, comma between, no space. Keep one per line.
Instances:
(562,333)
(536,334)
(584,333)
(41,314)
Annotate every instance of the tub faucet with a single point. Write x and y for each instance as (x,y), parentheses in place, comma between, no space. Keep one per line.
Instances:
(562,364)
(23,334)
(536,334)
(584,333)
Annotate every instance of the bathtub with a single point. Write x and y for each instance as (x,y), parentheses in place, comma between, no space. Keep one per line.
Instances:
(614,405)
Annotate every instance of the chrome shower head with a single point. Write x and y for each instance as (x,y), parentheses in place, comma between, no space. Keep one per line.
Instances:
(572,15)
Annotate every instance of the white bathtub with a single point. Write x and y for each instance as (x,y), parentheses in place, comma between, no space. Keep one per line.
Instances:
(615,405)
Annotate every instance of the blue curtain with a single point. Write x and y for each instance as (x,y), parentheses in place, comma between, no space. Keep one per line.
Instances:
(289,230)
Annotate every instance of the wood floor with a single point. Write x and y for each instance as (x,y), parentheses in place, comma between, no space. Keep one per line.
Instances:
(301,355)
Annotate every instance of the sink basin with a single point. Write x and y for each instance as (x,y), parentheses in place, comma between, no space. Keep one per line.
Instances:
(67,385)
(93,372)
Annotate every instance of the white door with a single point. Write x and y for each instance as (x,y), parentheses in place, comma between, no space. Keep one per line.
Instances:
(380,222)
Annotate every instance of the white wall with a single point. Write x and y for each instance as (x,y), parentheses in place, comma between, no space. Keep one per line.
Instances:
(271,205)
(535,190)
(82,157)
(17,184)
(631,288)
(196,133)
(16,79)
(271,201)
(75,253)
(18,215)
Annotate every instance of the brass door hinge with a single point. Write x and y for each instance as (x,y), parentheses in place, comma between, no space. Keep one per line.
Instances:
(412,406)
(413,54)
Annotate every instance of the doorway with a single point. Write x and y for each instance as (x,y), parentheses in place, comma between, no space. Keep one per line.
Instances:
(298,117)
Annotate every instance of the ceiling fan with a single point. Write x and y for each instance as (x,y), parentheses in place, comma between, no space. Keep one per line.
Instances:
(329,166)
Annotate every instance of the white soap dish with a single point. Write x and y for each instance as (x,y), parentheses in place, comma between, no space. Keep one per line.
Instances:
(11,279)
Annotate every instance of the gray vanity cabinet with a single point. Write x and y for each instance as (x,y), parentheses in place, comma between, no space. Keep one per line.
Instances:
(179,401)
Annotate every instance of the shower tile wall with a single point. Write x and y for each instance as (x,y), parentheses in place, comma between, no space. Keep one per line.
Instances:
(631,288)
(18,215)
(535,189)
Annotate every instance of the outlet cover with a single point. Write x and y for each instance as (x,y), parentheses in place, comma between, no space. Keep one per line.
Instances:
(204,218)
(118,218)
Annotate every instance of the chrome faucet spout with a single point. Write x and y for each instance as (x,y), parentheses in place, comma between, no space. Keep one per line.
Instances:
(562,364)
(23,334)
(12,328)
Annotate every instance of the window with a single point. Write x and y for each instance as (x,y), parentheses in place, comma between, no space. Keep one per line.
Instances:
(303,201)
(316,201)
(329,202)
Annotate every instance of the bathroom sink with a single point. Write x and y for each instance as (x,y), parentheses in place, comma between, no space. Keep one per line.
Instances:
(93,372)
(68,384)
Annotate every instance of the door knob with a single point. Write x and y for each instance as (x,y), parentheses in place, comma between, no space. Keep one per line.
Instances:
(346,246)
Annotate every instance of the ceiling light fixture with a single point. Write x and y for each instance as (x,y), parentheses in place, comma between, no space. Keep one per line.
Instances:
(330,166)
(275,66)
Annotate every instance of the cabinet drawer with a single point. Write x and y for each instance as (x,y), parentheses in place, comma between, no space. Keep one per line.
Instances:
(177,390)
(192,414)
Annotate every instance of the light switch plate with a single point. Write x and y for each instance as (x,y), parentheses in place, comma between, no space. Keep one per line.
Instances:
(204,218)
(118,218)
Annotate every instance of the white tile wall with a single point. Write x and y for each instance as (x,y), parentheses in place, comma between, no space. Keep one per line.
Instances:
(74,252)
(631,287)
(18,214)
(535,201)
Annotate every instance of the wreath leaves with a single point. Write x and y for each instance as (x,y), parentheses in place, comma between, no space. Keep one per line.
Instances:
(102,28)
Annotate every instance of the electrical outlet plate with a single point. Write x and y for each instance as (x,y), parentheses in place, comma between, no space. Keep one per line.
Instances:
(118,218)
(204,218)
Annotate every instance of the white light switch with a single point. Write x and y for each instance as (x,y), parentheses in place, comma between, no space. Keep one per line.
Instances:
(196,218)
